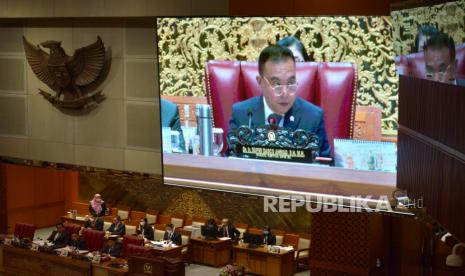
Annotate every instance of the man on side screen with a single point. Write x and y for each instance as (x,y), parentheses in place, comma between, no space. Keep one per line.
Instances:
(440,61)
(277,80)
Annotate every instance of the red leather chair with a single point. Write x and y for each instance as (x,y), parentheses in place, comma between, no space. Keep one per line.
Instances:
(130,240)
(330,85)
(133,249)
(72,228)
(93,239)
(25,230)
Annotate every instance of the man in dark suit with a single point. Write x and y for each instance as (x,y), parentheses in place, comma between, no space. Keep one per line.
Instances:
(77,242)
(440,60)
(112,247)
(59,237)
(117,227)
(277,80)
(94,222)
(170,118)
(268,237)
(228,230)
(171,235)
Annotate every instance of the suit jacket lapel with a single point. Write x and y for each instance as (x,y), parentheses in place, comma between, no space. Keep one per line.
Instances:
(258,116)
(295,114)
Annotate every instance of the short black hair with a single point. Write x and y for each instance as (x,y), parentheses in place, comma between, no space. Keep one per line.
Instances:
(274,53)
(424,30)
(60,224)
(288,41)
(170,225)
(439,41)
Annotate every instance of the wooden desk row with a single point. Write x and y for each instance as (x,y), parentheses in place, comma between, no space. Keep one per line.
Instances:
(19,261)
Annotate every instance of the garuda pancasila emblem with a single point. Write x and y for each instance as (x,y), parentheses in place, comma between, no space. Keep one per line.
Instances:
(73,79)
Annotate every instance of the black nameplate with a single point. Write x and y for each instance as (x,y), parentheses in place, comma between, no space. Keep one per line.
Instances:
(275,154)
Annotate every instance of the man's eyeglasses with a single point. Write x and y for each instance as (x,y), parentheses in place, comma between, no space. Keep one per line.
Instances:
(279,89)
(440,75)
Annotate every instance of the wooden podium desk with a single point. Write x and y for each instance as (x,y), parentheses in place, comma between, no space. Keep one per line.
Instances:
(169,252)
(261,262)
(215,253)
(19,261)
(79,220)
(105,268)
(263,177)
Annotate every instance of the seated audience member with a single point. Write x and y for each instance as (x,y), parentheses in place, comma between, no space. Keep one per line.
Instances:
(117,227)
(59,237)
(424,32)
(112,247)
(277,80)
(268,237)
(93,222)
(77,242)
(171,235)
(440,62)
(228,230)
(144,229)
(296,46)
(97,206)
(170,118)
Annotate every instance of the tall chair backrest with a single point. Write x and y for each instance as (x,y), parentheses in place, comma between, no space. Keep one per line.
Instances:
(93,239)
(130,240)
(25,230)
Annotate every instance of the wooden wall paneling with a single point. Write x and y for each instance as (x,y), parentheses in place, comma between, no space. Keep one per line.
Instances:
(3,202)
(37,195)
(431,152)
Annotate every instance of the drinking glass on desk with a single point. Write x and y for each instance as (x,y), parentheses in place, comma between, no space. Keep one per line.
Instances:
(217,141)
(175,141)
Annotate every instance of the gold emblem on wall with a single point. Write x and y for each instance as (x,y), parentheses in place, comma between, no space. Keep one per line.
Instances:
(186,44)
(75,79)
(148,268)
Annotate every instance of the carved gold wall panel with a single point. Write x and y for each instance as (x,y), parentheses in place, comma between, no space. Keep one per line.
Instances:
(448,17)
(186,44)
(140,193)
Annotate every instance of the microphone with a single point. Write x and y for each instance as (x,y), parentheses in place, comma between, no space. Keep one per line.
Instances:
(249,114)
(273,120)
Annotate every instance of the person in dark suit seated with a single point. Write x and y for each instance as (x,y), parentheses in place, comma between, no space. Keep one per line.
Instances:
(77,242)
(440,60)
(97,206)
(268,237)
(296,46)
(171,235)
(277,80)
(228,230)
(59,237)
(117,227)
(144,229)
(112,248)
(93,222)
(170,118)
